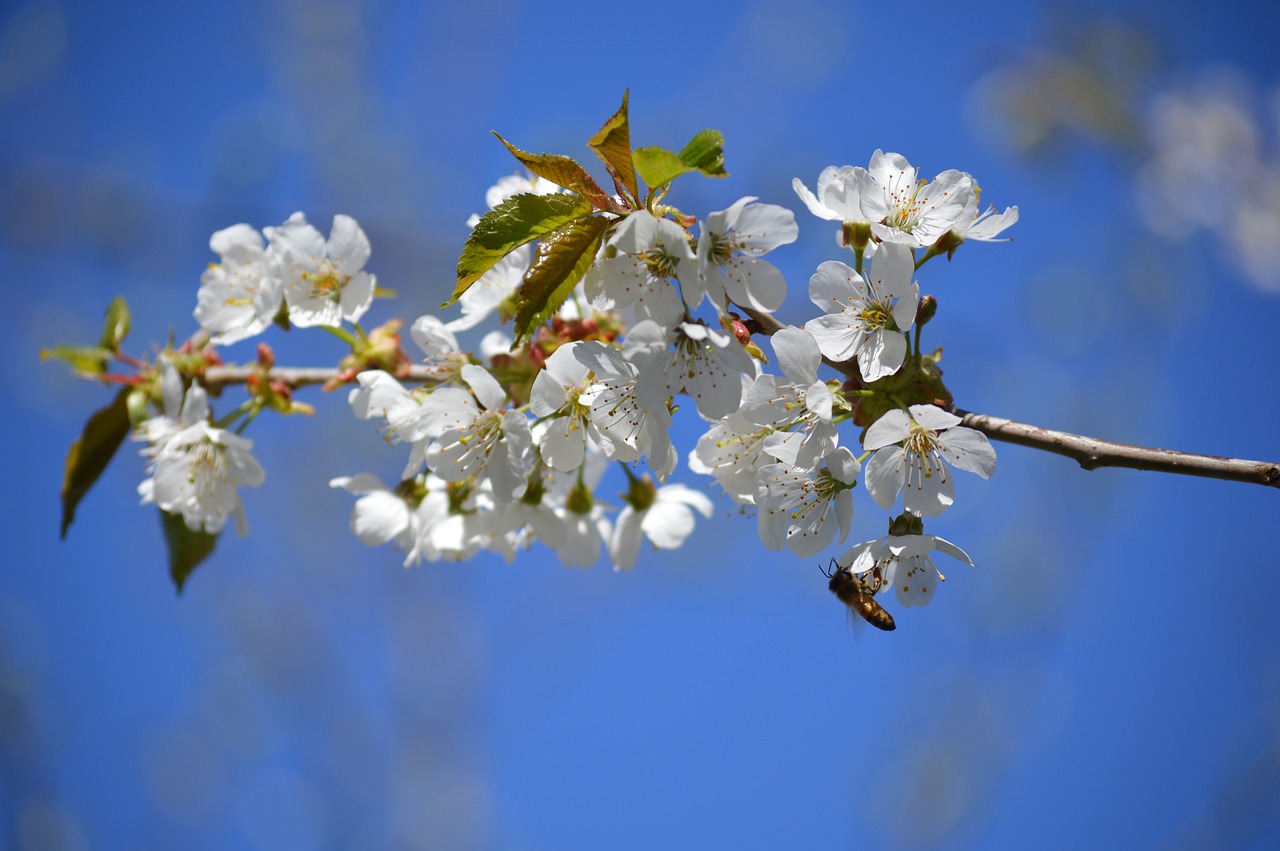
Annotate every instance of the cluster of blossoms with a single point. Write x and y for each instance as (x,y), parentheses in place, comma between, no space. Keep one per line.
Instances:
(508,445)
(195,467)
(313,280)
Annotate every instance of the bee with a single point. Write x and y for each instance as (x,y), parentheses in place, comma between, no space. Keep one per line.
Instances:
(858,593)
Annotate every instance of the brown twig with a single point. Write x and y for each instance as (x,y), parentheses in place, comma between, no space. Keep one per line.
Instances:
(221,376)
(1090,452)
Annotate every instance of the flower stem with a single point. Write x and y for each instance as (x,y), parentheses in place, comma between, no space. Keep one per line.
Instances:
(341,333)
(245,407)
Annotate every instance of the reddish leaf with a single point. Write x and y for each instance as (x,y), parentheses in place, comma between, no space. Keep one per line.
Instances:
(613,145)
(563,258)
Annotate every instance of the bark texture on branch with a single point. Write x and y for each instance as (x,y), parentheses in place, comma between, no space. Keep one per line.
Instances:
(221,376)
(1092,453)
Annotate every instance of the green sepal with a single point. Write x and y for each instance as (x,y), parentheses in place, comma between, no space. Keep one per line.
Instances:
(187,548)
(613,145)
(89,455)
(516,221)
(116,326)
(89,360)
(564,256)
(565,172)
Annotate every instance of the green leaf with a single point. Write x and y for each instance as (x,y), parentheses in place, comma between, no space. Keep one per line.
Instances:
(705,152)
(519,219)
(116,327)
(565,172)
(186,547)
(87,359)
(658,165)
(613,145)
(563,258)
(89,455)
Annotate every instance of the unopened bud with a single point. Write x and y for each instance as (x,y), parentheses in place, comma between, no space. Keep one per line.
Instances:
(136,403)
(947,244)
(855,234)
(925,310)
(266,357)
(906,523)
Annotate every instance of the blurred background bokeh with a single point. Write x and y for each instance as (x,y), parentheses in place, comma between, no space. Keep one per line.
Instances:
(1107,677)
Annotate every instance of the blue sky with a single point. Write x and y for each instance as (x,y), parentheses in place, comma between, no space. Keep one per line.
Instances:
(1106,675)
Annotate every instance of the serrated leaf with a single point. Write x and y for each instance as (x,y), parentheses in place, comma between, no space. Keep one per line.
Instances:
(187,548)
(705,152)
(87,359)
(563,258)
(116,326)
(89,455)
(566,172)
(516,221)
(613,145)
(658,165)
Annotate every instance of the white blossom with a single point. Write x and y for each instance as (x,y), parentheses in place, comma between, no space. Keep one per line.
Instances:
(626,429)
(324,280)
(518,184)
(381,515)
(557,398)
(910,451)
(798,409)
(797,505)
(987,225)
(475,436)
(904,209)
(195,468)
(647,253)
(705,363)
(839,195)
(493,288)
(241,293)
(667,520)
(445,359)
(729,247)
(865,319)
(732,450)
(905,563)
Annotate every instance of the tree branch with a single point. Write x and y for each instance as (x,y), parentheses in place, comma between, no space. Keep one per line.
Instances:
(221,376)
(1093,453)
(1090,452)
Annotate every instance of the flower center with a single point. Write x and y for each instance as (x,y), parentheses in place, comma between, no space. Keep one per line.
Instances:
(208,467)
(922,443)
(905,214)
(721,248)
(877,315)
(326,282)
